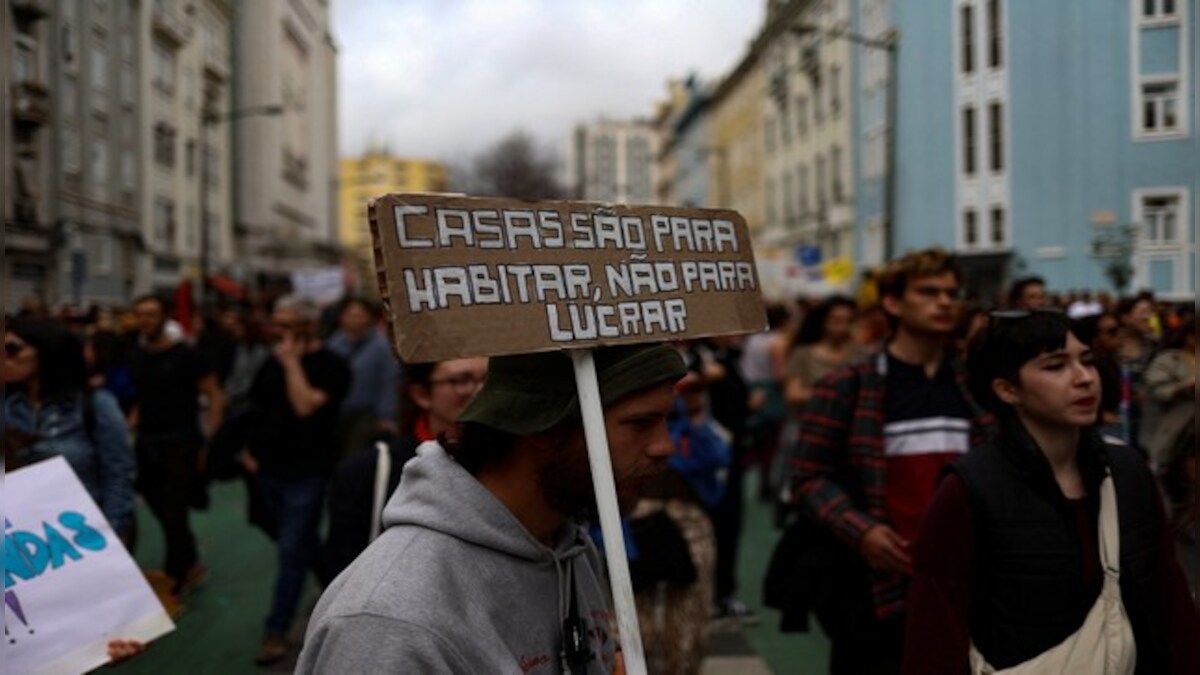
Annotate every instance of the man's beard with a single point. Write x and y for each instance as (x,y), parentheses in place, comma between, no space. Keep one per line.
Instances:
(566,481)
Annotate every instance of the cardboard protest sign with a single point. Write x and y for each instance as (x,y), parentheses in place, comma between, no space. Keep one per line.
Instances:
(69,584)
(465,276)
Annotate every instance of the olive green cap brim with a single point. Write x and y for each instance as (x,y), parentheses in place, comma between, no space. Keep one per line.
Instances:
(529,393)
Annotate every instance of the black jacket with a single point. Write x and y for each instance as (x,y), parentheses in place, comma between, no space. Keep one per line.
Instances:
(351,498)
(1027,596)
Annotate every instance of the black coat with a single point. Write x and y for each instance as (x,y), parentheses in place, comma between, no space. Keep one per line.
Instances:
(351,498)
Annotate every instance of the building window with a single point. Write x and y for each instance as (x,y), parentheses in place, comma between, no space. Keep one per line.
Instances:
(70,150)
(998,225)
(164,69)
(69,98)
(128,172)
(1160,215)
(211,174)
(996,136)
(772,208)
(1158,9)
(191,230)
(966,29)
(126,83)
(769,132)
(25,60)
(189,156)
(802,180)
(99,161)
(968,144)
(126,46)
(1160,106)
(802,115)
(164,223)
(164,144)
(818,105)
(102,255)
(970,228)
(995,34)
(835,171)
(99,67)
(789,211)
(70,42)
(835,89)
(821,193)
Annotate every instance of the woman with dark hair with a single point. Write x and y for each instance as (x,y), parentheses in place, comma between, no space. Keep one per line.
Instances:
(1103,333)
(1046,550)
(822,343)
(47,400)
(435,394)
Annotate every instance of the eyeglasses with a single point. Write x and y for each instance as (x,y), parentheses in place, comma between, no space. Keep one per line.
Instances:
(460,381)
(13,349)
(935,292)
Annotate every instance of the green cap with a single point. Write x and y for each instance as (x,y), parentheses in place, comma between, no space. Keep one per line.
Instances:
(529,393)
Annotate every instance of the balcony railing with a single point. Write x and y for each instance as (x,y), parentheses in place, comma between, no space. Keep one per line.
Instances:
(30,10)
(31,103)
(170,26)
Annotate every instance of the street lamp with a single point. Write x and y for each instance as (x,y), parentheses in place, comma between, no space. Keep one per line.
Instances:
(890,43)
(208,119)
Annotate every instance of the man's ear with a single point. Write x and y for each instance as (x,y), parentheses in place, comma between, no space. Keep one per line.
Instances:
(421,395)
(1005,391)
(890,304)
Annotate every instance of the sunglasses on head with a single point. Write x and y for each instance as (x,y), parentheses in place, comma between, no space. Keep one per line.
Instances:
(1001,315)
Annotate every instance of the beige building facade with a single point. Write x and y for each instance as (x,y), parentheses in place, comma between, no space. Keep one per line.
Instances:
(808,136)
(186,145)
(285,202)
(362,178)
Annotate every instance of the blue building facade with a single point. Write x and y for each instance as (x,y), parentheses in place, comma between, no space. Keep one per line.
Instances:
(1028,129)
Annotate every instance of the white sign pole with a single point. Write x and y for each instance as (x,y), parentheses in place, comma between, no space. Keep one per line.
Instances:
(588,386)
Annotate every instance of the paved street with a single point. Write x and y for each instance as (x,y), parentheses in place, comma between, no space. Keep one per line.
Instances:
(219,630)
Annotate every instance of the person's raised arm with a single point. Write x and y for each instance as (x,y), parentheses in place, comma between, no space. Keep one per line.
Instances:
(304,398)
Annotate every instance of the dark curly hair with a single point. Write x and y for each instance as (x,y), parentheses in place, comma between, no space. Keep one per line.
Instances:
(812,328)
(1007,344)
(62,371)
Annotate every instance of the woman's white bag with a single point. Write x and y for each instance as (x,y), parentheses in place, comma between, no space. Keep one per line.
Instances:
(1104,644)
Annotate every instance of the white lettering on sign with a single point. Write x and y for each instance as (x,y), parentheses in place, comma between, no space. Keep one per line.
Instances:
(562,272)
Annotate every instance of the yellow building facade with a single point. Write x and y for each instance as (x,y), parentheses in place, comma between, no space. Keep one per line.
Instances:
(370,175)
(736,128)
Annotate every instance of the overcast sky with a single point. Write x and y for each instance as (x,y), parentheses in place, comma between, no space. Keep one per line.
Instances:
(444,79)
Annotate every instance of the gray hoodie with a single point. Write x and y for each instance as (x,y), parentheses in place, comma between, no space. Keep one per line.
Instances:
(455,584)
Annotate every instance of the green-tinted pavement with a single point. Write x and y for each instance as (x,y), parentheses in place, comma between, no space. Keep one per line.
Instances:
(221,625)
(785,654)
(220,629)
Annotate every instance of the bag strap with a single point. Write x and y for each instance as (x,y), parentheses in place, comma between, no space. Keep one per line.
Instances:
(1110,532)
(383,470)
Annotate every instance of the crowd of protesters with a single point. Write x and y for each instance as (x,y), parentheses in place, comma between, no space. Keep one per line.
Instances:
(878,443)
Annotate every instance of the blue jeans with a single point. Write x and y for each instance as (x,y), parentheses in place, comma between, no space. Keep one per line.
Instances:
(295,504)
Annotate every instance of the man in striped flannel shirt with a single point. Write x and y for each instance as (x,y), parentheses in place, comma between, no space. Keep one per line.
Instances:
(873,441)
